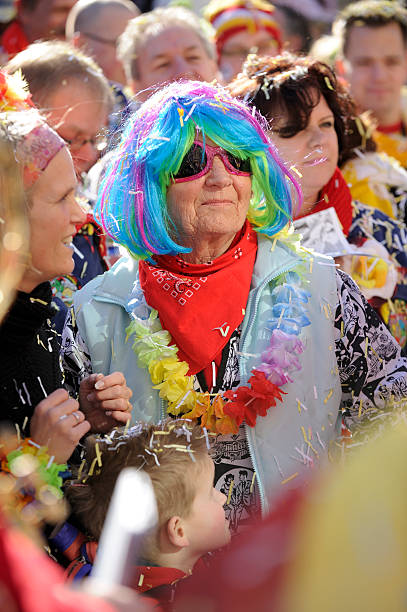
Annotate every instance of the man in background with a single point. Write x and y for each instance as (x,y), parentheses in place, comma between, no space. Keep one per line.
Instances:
(164,45)
(373,37)
(95,26)
(35,19)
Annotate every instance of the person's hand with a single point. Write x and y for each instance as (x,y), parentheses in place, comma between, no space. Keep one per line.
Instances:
(105,401)
(58,424)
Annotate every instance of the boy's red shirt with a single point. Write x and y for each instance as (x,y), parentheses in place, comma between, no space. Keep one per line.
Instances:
(149,577)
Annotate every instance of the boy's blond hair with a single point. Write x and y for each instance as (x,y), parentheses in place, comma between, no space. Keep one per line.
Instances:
(171,453)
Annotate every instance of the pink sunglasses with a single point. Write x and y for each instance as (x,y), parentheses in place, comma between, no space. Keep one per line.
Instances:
(198,161)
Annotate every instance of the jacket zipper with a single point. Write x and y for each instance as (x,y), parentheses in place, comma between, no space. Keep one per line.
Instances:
(263,502)
(162,408)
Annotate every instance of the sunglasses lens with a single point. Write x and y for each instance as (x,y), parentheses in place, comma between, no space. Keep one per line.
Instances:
(193,163)
(242,165)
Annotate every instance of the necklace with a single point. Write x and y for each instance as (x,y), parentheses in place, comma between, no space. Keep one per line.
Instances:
(224,412)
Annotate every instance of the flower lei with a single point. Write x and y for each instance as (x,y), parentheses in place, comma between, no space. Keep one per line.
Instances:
(225,412)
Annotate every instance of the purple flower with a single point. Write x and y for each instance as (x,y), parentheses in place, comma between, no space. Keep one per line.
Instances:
(280,358)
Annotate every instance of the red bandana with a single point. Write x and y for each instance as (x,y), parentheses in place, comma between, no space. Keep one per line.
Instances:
(201,305)
(336,193)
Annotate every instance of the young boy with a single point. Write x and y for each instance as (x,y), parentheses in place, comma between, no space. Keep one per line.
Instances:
(191,518)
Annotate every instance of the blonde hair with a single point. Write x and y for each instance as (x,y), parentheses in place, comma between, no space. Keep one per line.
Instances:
(171,453)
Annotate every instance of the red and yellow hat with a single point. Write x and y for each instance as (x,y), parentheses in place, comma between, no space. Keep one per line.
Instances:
(228,17)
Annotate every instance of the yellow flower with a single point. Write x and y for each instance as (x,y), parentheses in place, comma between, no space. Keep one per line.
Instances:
(183,403)
(170,367)
(177,392)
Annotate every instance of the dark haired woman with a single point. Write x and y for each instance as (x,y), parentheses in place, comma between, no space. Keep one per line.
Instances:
(309,113)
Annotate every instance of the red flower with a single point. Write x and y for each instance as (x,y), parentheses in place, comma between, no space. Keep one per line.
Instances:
(246,403)
(3,83)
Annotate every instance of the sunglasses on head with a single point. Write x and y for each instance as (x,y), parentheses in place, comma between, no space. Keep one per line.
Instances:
(199,159)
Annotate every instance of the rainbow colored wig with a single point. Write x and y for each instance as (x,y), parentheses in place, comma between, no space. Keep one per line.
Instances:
(132,206)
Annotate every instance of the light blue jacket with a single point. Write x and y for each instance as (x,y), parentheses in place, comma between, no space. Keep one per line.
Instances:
(296,433)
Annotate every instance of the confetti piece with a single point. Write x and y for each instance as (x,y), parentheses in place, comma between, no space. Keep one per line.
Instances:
(391,306)
(310,265)
(319,439)
(283,482)
(27,394)
(32,300)
(366,346)
(81,469)
(315,392)
(39,341)
(376,355)
(24,423)
(305,459)
(50,462)
(280,318)
(152,453)
(98,455)
(32,443)
(328,397)
(299,406)
(77,251)
(360,408)
(297,172)
(191,453)
(73,317)
(278,466)
(189,114)
(273,246)
(307,441)
(42,386)
(141,580)
(230,492)
(328,83)
(92,467)
(252,484)
(182,401)
(208,446)
(326,198)
(181,114)
(85,265)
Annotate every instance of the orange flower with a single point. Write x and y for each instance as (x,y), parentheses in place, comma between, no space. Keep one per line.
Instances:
(202,404)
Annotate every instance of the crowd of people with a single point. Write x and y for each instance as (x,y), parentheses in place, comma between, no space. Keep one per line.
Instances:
(203,281)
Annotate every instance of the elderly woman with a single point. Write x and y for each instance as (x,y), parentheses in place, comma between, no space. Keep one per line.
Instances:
(252,332)
(309,114)
(34,399)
